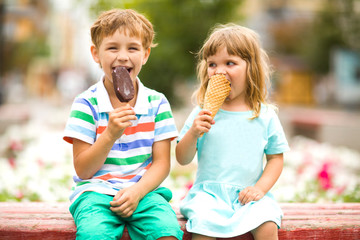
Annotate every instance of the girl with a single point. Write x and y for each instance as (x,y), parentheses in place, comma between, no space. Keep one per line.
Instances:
(231,195)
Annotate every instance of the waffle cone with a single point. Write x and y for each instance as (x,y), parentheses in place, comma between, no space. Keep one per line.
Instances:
(217,90)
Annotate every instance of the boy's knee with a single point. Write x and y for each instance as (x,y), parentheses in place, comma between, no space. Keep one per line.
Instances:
(99,231)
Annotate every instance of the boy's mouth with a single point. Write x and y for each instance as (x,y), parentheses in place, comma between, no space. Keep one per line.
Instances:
(127,68)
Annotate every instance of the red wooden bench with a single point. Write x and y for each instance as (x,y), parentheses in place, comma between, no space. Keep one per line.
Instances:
(301,221)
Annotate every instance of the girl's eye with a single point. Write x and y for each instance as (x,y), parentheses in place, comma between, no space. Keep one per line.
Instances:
(212,64)
(230,63)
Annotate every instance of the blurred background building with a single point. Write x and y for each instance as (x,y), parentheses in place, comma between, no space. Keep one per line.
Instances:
(44,53)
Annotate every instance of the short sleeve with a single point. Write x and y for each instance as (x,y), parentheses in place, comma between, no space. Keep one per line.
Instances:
(81,123)
(165,127)
(277,142)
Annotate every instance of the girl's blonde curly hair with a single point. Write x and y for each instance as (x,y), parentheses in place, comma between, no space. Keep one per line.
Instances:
(242,42)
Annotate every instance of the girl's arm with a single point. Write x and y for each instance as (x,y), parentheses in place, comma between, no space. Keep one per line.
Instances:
(267,180)
(126,200)
(89,158)
(186,148)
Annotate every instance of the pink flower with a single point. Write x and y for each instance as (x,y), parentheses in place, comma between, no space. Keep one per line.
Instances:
(19,195)
(325,177)
(188,185)
(15,145)
(12,162)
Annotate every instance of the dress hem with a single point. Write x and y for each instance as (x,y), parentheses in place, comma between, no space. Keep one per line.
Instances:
(235,234)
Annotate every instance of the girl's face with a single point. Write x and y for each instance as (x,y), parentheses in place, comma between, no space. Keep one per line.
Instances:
(120,49)
(234,68)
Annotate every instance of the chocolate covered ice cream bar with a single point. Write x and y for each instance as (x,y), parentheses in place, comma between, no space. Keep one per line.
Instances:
(123,85)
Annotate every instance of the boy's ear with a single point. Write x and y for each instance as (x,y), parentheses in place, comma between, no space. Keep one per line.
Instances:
(146,55)
(95,53)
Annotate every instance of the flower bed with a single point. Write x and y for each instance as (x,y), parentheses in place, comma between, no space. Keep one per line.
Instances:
(36,165)
(319,172)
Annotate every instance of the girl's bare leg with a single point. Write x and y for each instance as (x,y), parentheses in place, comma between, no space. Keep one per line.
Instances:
(266,231)
(201,237)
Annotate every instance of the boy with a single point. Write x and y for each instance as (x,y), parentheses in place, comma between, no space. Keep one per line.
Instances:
(121,150)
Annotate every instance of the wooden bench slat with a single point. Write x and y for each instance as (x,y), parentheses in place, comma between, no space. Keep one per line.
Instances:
(301,221)
(326,234)
(324,212)
(320,206)
(318,224)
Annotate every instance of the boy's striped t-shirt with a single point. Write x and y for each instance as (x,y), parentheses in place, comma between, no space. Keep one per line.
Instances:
(131,155)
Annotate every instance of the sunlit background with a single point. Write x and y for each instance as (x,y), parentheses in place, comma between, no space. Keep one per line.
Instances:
(314,48)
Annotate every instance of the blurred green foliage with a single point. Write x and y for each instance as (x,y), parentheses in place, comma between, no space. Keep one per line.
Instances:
(181,27)
(335,25)
(326,33)
(23,52)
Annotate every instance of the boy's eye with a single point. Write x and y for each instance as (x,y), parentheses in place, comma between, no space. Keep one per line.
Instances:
(111,48)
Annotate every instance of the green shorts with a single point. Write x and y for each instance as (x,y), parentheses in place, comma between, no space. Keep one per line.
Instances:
(152,219)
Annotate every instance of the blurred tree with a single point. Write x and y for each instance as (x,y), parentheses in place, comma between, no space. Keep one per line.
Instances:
(337,25)
(23,52)
(181,27)
(23,35)
(324,34)
(2,55)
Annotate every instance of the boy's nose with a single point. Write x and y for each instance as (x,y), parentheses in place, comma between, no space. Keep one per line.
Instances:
(122,56)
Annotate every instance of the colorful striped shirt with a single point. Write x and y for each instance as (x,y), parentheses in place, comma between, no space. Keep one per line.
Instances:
(131,155)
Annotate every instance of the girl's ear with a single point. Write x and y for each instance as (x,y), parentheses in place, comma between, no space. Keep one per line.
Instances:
(95,54)
(146,55)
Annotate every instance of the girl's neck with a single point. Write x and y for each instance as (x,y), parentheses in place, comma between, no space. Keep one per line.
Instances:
(235,106)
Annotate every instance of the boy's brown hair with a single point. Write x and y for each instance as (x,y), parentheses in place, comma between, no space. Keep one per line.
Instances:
(124,20)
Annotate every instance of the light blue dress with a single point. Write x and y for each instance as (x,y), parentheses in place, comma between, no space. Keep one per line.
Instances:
(230,158)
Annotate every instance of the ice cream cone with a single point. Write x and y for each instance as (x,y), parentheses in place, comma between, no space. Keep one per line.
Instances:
(217,91)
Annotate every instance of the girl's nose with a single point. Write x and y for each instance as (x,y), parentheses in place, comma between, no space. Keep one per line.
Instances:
(220,70)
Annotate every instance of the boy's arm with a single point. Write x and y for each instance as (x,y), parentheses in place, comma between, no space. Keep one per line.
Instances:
(89,158)
(126,200)
(267,180)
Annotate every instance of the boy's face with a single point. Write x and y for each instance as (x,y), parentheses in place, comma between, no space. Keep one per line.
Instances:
(120,49)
